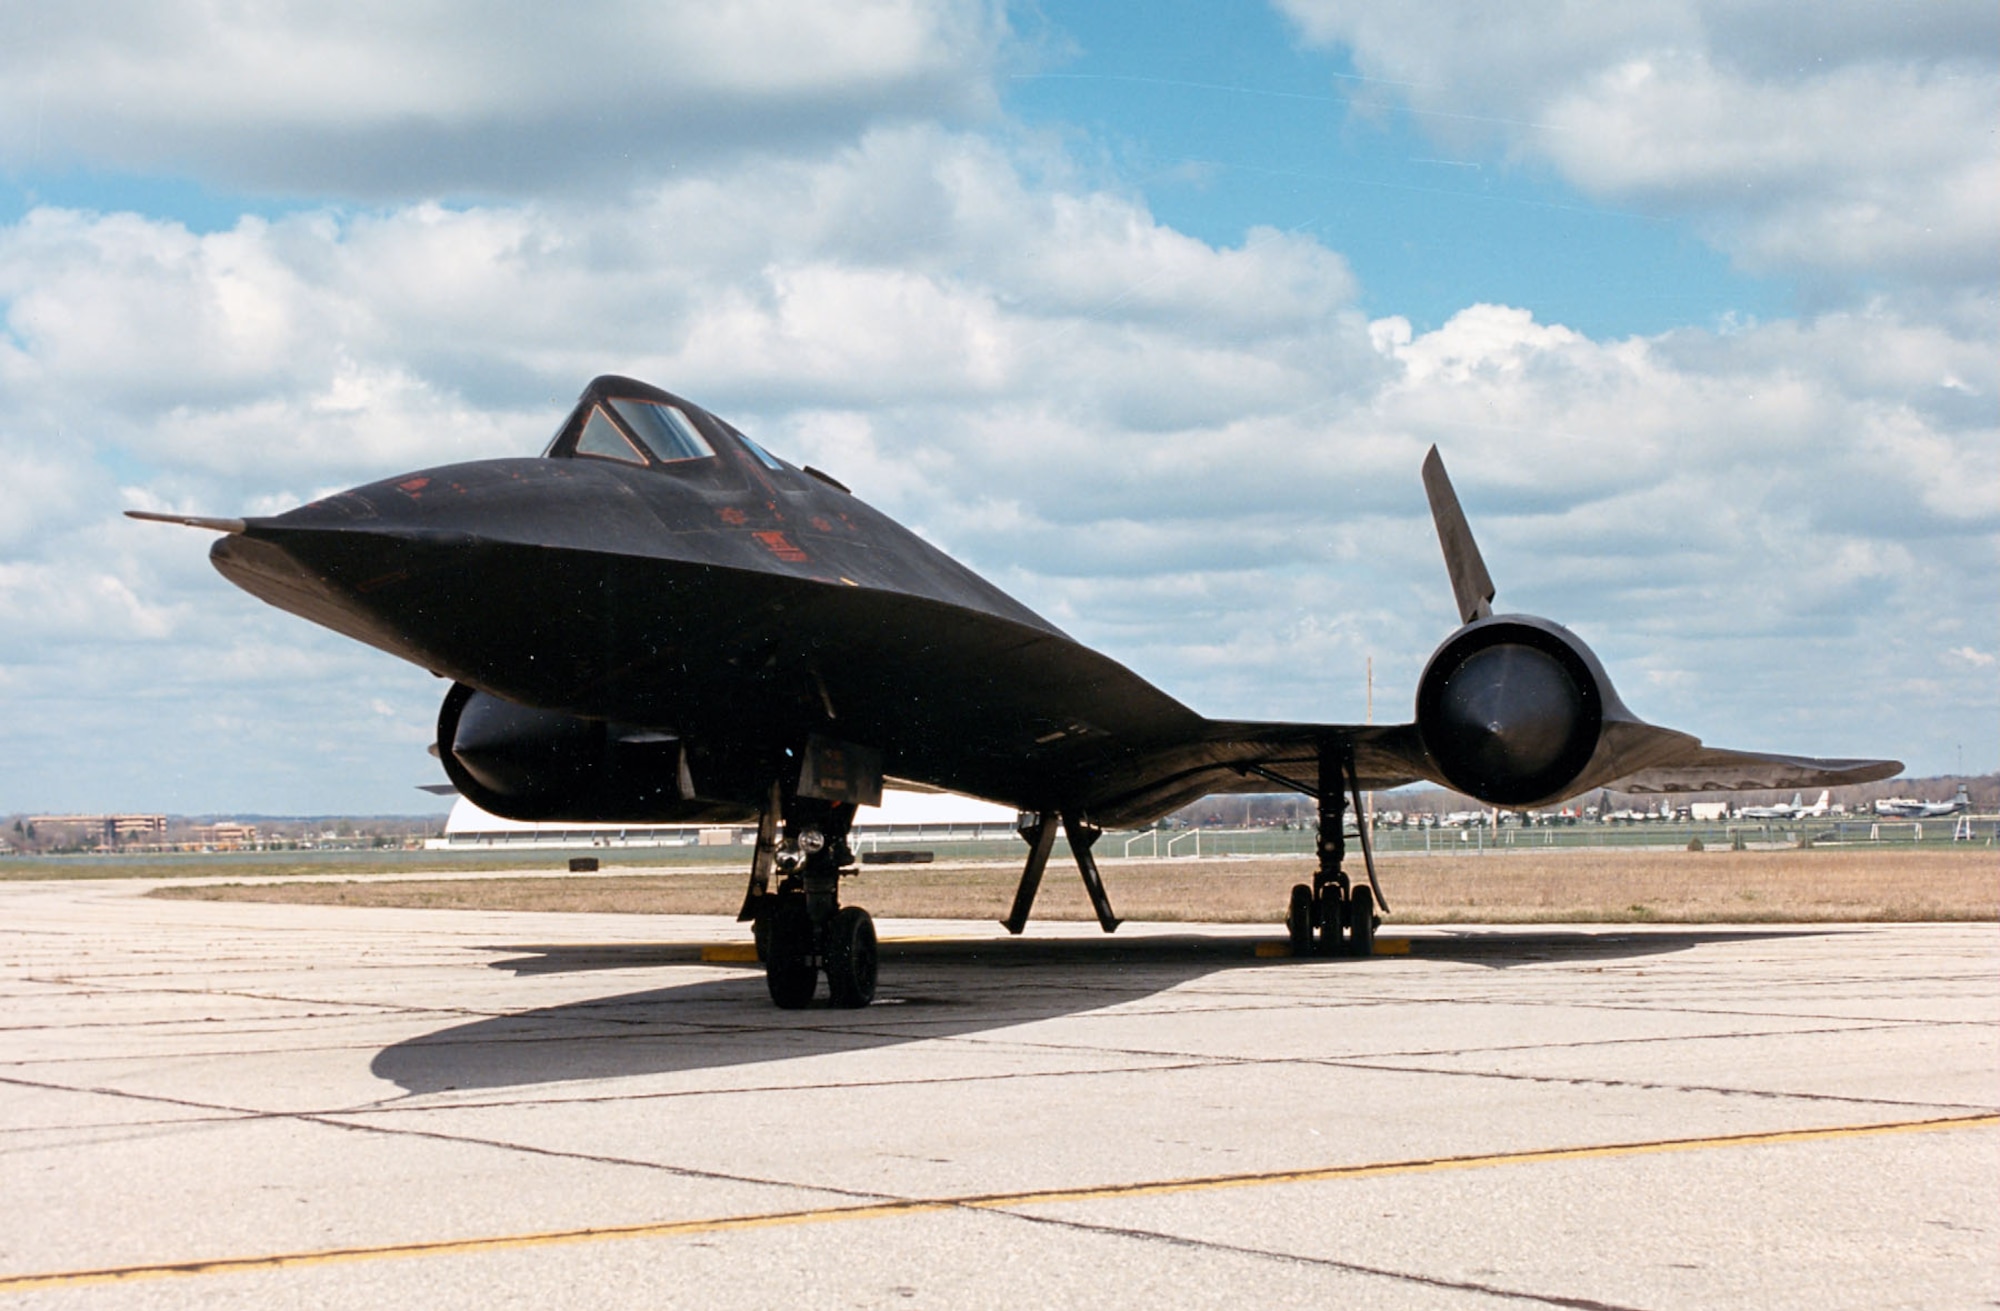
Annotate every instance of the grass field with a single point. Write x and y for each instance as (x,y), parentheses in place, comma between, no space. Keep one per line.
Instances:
(340,864)
(1523,888)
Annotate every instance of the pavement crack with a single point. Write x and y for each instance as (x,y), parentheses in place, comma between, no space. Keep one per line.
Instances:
(933,1081)
(222,1113)
(681,1171)
(1316,1262)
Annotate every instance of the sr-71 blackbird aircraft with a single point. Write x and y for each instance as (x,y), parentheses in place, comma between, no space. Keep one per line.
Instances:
(659,621)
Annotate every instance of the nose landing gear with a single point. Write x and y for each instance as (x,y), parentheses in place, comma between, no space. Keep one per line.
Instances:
(802,930)
(791,954)
(849,959)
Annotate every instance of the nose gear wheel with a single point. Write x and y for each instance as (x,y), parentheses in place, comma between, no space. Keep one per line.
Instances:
(850,958)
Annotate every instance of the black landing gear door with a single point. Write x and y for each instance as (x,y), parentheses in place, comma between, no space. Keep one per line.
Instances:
(838,771)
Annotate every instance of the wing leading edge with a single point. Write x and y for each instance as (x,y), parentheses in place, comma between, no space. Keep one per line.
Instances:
(1717,769)
(1631,756)
(1238,757)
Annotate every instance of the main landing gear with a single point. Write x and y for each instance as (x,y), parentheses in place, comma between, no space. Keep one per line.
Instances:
(1331,915)
(802,930)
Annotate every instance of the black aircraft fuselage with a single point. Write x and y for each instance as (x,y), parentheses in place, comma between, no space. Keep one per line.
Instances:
(660,621)
(732,601)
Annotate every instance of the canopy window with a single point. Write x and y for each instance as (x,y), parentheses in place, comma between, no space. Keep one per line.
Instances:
(764,457)
(601,437)
(669,434)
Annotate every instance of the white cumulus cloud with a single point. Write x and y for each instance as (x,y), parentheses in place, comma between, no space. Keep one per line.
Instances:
(380,99)
(1852,143)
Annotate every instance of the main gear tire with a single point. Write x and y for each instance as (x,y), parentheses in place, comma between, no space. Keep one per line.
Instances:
(1361,921)
(1299,920)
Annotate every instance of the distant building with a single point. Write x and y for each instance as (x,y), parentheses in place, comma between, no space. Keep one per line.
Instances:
(902,818)
(225,835)
(110,830)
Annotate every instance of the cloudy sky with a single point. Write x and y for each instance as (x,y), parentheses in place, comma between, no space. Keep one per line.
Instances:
(1148,311)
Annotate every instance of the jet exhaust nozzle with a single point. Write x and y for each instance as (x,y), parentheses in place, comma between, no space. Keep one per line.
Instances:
(1511,709)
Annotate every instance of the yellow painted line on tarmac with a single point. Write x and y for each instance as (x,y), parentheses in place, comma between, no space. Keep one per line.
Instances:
(980,1202)
(1215,1183)
(734,953)
(737,953)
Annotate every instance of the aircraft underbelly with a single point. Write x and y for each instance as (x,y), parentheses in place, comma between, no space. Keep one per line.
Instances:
(952,694)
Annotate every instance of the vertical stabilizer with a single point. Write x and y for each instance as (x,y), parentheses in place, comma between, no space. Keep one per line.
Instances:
(1471,585)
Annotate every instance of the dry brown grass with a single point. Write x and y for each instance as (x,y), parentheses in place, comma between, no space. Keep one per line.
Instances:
(1554,887)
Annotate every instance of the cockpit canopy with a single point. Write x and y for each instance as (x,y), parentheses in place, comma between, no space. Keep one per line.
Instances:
(628,421)
(652,433)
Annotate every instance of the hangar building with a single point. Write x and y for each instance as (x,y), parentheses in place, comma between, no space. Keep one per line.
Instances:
(903,818)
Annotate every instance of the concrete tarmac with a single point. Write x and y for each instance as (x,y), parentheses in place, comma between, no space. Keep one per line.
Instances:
(267,1106)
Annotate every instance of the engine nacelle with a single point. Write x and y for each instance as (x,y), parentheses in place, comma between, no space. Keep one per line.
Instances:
(1512,709)
(522,763)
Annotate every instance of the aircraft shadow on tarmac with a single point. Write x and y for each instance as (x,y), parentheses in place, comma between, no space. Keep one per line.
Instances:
(930,989)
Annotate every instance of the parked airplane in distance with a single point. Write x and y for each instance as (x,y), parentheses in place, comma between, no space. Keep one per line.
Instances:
(1629,815)
(1911,808)
(660,621)
(1795,810)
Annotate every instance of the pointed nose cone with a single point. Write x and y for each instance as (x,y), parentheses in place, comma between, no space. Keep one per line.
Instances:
(338,560)
(308,575)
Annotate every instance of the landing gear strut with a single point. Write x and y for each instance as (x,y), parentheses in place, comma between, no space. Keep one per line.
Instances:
(1331,914)
(802,930)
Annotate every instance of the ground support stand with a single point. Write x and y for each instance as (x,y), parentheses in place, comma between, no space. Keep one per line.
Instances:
(1038,830)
